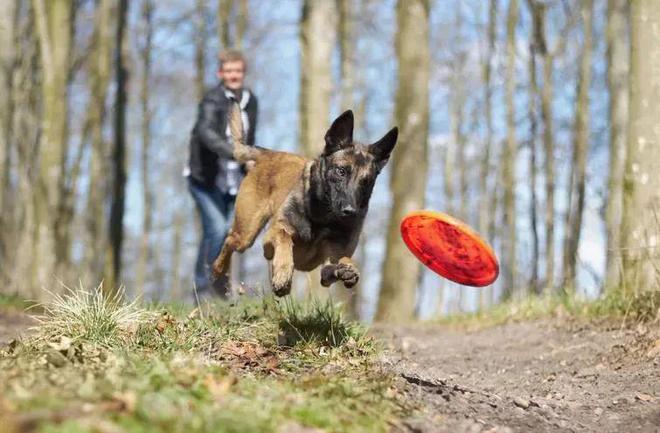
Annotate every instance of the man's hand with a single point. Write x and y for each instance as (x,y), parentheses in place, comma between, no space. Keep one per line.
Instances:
(249,165)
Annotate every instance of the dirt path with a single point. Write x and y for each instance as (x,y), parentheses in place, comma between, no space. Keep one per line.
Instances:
(527,377)
(12,324)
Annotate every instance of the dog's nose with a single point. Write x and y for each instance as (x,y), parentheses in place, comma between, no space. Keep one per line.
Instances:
(348,210)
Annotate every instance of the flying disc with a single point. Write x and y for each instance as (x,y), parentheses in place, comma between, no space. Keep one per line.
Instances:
(450,248)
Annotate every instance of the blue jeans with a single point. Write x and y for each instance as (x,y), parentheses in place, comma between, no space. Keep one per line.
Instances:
(216,209)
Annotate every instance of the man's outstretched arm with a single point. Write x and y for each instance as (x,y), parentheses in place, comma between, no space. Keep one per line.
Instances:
(215,142)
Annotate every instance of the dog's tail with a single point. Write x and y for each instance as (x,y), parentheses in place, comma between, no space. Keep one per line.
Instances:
(242,152)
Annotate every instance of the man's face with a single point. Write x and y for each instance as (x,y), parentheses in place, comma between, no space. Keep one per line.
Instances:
(232,74)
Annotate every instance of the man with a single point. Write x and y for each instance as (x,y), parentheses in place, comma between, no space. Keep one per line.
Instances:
(213,174)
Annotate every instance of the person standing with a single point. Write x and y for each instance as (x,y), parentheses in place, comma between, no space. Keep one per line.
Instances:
(213,174)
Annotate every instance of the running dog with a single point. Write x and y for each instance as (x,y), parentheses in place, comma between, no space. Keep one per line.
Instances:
(316,207)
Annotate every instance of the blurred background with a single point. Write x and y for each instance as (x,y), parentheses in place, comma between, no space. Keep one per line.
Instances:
(514,117)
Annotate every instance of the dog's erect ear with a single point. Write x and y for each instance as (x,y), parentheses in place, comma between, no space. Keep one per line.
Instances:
(382,149)
(340,134)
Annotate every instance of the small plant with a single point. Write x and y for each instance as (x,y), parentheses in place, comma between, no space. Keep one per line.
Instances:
(91,315)
(316,322)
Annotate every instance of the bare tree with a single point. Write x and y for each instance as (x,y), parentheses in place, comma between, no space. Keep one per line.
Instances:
(317,37)
(224,18)
(617,80)
(200,48)
(536,44)
(54,28)
(509,158)
(401,270)
(8,22)
(548,148)
(148,196)
(100,69)
(641,191)
(116,232)
(346,39)
(578,178)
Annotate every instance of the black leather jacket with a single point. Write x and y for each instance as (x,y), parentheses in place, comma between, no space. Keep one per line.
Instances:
(208,140)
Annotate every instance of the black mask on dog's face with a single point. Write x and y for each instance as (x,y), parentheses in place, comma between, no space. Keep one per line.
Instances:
(346,171)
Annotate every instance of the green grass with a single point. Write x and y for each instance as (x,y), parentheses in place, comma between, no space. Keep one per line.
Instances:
(643,307)
(252,366)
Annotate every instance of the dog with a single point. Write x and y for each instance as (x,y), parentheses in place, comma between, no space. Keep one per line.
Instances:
(316,207)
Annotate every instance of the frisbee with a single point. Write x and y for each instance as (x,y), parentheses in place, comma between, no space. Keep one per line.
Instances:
(450,248)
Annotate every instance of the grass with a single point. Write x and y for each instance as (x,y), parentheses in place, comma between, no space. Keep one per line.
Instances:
(260,365)
(624,310)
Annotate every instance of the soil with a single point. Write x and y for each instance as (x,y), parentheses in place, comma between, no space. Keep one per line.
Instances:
(13,324)
(527,377)
(544,376)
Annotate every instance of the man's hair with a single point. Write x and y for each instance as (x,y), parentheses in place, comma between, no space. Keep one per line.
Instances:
(231,55)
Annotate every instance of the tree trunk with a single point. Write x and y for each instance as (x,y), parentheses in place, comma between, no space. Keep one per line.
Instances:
(346,36)
(317,39)
(486,214)
(116,232)
(148,196)
(241,23)
(99,71)
(617,80)
(580,151)
(224,18)
(8,22)
(200,49)
(548,151)
(641,191)
(535,45)
(509,158)
(54,23)
(401,270)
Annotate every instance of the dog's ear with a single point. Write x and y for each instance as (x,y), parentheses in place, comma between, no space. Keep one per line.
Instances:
(382,149)
(340,134)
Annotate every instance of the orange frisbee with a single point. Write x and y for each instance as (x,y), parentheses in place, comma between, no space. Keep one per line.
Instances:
(450,248)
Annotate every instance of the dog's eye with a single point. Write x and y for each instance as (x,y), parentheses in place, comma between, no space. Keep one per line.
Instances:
(341,171)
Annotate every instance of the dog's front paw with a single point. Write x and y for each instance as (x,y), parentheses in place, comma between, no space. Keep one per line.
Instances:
(281,286)
(348,274)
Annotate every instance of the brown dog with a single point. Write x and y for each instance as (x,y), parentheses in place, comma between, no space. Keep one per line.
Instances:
(316,207)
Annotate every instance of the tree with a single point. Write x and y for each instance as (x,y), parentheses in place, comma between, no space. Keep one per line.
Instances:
(641,191)
(200,48)
(577,181)
(100,69)
(147,193)
(617,81)
(536,44)
(401,270)
(548,148)
(509,158)
(317,40)
(346,39)
(54,28)
(224,18)
(8,21)
(486,193)
(116,229)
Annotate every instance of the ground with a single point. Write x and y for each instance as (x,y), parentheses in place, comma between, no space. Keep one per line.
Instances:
(541,375)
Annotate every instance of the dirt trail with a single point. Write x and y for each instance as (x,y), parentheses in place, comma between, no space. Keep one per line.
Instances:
(524,377)
(13,324)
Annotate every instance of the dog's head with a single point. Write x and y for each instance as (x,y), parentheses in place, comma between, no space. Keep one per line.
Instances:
(344,175)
